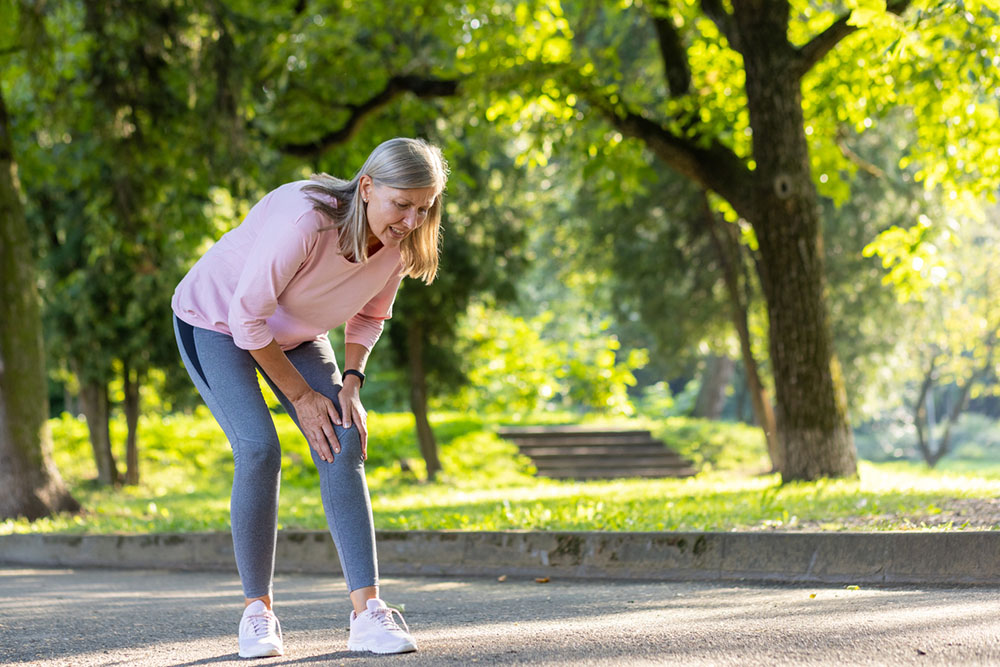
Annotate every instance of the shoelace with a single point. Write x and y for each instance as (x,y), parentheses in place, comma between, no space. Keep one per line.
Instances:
(384,618)
(261,623)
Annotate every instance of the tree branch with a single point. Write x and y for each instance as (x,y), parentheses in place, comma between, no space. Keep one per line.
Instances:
(398,85)
(675,63)
(713,167)
(813,51)
(849,153)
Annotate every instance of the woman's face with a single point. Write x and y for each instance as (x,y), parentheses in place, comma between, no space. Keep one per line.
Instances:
(394,214)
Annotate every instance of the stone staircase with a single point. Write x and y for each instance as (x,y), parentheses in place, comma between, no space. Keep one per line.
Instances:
(586,452)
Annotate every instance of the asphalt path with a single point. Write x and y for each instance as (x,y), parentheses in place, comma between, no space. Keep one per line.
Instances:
(126,617)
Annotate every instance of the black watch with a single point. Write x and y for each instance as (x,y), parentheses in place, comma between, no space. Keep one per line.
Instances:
(357,374)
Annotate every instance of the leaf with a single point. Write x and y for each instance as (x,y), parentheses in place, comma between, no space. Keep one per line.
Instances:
(863,17)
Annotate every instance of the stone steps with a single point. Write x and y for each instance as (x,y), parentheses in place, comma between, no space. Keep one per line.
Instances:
(583,452)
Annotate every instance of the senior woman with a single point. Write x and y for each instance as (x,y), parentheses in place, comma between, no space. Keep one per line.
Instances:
(309,257)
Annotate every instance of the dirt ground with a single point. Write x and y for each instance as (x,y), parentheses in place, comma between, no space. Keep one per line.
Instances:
(956,513)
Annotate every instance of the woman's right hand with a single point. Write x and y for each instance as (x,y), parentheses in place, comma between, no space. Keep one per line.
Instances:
(317,416)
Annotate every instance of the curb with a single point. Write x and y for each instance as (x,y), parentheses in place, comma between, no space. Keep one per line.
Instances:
(887,558)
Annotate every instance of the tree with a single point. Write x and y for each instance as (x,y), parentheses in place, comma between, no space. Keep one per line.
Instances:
(779,200)
(383,83)
(485,225)
(948,277)
(674,276)
(734,105)
(32,486)
(120,145)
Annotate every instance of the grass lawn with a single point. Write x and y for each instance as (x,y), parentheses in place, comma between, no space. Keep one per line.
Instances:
(187,469)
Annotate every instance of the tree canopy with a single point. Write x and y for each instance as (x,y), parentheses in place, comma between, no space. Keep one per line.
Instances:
(682,167)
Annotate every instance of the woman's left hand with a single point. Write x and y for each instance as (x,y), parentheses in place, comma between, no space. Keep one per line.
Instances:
(353,412)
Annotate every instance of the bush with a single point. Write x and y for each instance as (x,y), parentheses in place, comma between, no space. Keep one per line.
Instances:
(715,445)
(515,369)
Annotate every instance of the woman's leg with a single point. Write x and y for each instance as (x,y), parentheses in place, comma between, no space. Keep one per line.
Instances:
(349,513)
(226,378)
(343,488)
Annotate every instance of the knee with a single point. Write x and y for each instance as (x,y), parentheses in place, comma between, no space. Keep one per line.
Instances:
(260,459)
(350,441)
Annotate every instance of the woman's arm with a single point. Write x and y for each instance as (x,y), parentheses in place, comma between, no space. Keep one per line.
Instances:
(355,356)
(360,334)
(315,411)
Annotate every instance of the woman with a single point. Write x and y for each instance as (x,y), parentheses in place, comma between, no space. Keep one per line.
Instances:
(310,256)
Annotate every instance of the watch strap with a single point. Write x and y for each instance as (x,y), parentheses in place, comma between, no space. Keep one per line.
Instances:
(356,373)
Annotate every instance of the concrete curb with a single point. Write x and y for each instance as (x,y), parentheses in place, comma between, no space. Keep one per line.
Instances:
(959,558)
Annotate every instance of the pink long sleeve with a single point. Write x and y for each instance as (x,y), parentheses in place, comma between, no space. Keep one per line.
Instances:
(367,325)
(280,276)
(277,255)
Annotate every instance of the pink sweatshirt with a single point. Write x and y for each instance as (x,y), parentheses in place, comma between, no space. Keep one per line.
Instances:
(276,276)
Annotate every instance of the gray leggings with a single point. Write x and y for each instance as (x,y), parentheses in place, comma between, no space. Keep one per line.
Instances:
(226,378)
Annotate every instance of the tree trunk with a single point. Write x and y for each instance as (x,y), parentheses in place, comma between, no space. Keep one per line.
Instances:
(727,248)
(31,484)
(925,437)
(716,377)
(924,417)
(94,403)
(418,399)
(811,399)
(131,382)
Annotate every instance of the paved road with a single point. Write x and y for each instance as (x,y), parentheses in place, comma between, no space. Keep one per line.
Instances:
(107,617)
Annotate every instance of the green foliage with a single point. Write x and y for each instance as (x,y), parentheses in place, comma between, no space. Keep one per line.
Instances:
(177,443)
(947,275)
(664,281)
(481,258)
(510,366)
(658,400)
(187,468)
(923,84)
(516,368)
(117,130)
(310,76)
(145,130)
(480,454)
(489,487)
(938,63)
(714,445)
(912,257)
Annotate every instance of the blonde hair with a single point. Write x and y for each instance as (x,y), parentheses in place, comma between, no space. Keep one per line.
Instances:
(398,163)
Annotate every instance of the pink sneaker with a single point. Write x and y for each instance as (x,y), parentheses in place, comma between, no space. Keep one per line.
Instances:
(376,630)
(260,632)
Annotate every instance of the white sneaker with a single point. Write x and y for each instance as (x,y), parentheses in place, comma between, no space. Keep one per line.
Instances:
(260,632)
(376,630)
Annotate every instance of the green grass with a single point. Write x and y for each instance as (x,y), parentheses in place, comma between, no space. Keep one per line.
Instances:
(187,471)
